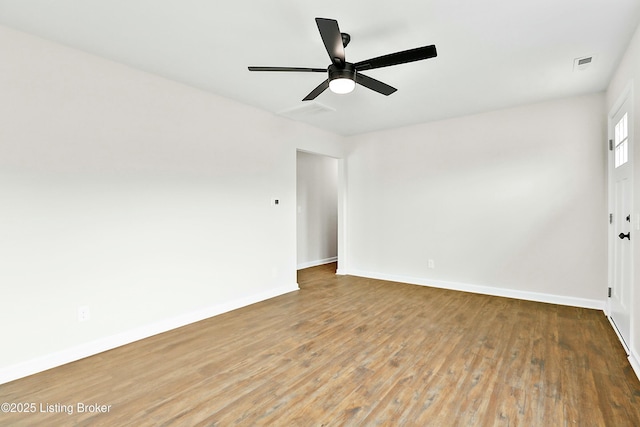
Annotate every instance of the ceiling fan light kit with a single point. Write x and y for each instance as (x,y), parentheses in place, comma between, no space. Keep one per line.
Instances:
(342,80)
(342,75)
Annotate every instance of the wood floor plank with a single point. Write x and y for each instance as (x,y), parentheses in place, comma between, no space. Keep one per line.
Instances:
(349,351)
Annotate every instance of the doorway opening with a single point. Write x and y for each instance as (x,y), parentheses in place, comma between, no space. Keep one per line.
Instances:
(317,210)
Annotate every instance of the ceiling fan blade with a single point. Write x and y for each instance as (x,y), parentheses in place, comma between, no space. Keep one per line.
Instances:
(403,57)
(317,91)
(297,69)
(330,33)
(375,85)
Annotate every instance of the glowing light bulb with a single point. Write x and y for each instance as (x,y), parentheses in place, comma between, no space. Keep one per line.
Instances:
(342,85)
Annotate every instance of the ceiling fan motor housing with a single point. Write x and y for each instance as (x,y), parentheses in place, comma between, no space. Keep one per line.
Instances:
(346,72)
(342,78)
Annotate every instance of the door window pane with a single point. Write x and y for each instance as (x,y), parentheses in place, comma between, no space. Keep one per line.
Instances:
(621,135)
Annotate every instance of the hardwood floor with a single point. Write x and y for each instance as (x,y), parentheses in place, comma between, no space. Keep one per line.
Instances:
(350,351)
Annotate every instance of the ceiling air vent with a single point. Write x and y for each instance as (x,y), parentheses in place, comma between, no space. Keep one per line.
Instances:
(582,63)
(306,110)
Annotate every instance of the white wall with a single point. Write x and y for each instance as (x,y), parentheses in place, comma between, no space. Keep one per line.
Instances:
(509,202)
(627,73)
(147,201)
(144,199)
(317,209)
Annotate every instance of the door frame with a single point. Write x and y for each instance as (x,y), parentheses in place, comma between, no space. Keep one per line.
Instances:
(342,208)
(625,95)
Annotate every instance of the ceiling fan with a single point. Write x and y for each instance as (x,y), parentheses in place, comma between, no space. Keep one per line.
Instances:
(343,75)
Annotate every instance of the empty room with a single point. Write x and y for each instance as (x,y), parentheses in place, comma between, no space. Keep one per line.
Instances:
(293,214)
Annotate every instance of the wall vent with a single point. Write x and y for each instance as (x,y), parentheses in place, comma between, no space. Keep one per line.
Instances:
(582,63)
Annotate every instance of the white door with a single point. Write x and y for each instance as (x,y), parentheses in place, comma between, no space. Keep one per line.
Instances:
(620,230)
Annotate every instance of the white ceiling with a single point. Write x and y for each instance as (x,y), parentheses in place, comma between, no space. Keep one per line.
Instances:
(491,53)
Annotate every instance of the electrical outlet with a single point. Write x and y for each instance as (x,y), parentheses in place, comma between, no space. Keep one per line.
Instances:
(432,264)
(83,313)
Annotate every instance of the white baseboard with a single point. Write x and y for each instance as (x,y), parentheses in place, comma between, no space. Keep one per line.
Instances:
(634,360)
(615,329)
(33,366)
(317,262)
(485,290)
(632,356)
